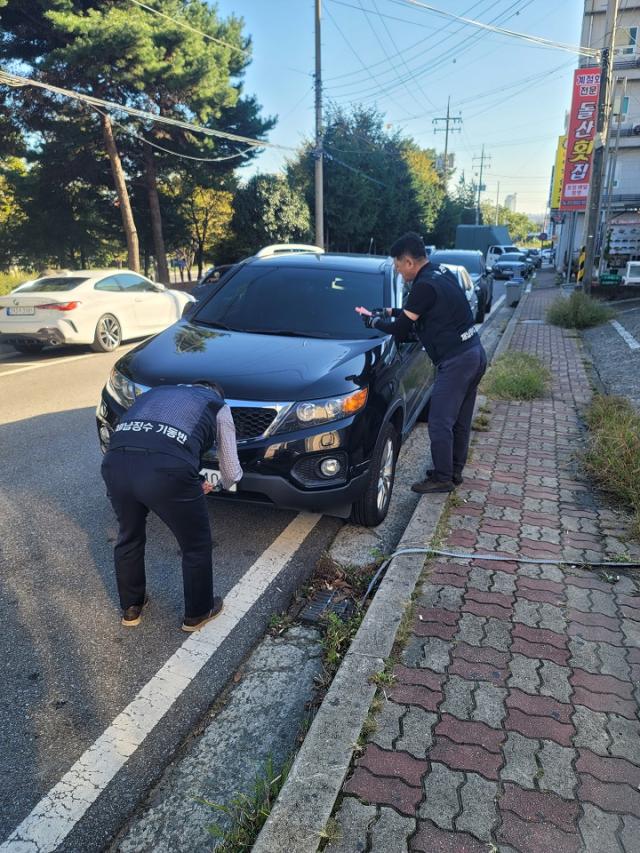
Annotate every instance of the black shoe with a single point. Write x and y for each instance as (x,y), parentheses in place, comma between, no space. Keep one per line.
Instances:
(133,615)
(429,487)
(457,479)
(194,623)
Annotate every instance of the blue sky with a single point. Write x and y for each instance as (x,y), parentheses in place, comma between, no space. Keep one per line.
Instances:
(512,96)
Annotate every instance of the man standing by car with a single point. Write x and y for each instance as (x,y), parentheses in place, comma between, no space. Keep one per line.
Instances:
(444,325)
(152,463)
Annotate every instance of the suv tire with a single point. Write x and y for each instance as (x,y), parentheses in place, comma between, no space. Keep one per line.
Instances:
(372,507)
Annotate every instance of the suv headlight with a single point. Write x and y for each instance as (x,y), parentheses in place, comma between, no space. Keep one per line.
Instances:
(122,389)
(313,412)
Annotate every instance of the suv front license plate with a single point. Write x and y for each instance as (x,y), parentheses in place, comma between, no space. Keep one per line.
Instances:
(214,478)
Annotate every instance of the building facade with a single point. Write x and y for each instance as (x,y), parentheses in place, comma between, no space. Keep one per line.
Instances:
(619,239)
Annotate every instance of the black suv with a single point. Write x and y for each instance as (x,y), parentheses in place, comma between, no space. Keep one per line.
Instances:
(321,403)
(474,264)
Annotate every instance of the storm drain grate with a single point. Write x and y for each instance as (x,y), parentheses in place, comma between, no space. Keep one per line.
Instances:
(326,602)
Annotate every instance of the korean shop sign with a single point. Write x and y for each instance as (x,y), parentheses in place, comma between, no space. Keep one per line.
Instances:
(580,139)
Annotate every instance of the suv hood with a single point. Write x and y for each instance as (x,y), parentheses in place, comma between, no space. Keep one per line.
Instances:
(252,366)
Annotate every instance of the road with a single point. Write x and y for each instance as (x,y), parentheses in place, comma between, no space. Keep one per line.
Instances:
(68,667)
(615,346)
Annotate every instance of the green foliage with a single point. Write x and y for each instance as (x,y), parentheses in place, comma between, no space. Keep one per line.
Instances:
(579,311)
(267,210)
(123,53)
(458,208)
(246,814)
(516,376)
(377,184)
(10,280)
(518,224)
(337,638)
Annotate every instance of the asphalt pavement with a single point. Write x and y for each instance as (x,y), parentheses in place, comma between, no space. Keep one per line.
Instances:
(68,667)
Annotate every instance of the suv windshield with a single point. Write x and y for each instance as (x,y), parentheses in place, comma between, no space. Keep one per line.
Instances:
(472,262)
(300,301)
(51,284)
(513,257)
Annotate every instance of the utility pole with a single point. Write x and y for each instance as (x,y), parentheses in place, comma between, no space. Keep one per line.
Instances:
(318,153)
(482,159)
(594,200)
(610,170)
(448,120)
(497,202)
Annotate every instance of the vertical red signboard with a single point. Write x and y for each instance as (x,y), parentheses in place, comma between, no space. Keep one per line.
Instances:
(580,137)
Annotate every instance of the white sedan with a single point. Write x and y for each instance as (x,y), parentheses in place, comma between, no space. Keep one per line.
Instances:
(97,307)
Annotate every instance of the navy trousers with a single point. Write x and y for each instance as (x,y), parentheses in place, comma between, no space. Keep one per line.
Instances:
(451,410)
(141,481)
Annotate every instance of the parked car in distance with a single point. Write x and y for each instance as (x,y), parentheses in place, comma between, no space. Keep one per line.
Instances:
(631,274)
(474,264)
(467,285)
(512,264)
(321,403)
(548,256)
(101,308)
(494,253)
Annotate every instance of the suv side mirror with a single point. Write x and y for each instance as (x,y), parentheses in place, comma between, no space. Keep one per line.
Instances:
(188,309)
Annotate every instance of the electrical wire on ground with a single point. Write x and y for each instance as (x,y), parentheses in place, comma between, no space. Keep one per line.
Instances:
(497,558)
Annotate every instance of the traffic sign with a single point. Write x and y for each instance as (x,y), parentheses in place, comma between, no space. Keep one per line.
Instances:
(543,235)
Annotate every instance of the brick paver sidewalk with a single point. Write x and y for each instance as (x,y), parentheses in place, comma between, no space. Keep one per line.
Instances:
(513,722)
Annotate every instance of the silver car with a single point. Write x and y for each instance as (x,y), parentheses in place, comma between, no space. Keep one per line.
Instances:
(465,282)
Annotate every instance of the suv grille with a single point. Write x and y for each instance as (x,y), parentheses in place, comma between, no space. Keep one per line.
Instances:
(251,422)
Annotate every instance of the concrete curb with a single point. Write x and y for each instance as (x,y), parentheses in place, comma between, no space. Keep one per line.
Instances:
(505,340)
(307,799)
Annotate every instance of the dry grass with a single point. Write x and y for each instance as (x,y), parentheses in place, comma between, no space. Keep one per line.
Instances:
(577,312)
(613,454)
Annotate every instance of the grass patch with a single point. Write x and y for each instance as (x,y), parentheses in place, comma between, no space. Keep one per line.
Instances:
(248,812)
(516,376)
(612,457)
(481,423)
(579,311)
(9,280)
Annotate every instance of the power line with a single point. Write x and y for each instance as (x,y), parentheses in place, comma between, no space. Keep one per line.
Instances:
(174,153)
(441,59)
(581,50)
(186,26)
(16,81)
(386,16)
(330,156)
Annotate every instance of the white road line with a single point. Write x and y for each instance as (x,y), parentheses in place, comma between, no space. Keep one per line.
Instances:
(44,364)
(626,336)
(498,303)
(58,812)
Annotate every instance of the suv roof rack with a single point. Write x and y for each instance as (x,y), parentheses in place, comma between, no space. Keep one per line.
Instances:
(288,248)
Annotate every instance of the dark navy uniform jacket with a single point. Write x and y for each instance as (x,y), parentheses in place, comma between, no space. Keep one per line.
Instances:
(179,420)
(445,326)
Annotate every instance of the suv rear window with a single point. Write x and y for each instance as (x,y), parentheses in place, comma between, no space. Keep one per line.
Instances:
(295,300)
(472,262)
(52,284)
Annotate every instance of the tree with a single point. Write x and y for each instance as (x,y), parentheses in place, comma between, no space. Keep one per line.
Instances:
(377,184)
(457,209)
(125,54)
(267,210)
(518,224)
